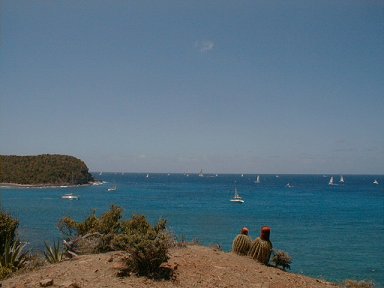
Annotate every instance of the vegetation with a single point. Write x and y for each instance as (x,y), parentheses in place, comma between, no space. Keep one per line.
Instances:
(147,245)
(282,259)
(12,254)
(53,254)
(8,226)
(97,232)
(43,170)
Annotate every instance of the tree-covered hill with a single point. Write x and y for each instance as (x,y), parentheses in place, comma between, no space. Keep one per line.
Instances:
(43,170)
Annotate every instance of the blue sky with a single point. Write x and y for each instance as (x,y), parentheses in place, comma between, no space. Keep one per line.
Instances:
(179,86)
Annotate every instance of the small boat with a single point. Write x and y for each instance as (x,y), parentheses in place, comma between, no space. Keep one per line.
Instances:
(70,196)
(257,179)
(201,173)
(376,182)
(237,198)
(147,176)
(289,185)
(111,189)
(341,179)
(331,181)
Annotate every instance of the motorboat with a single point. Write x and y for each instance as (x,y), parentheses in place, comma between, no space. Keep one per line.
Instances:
(70,196)
(111,189)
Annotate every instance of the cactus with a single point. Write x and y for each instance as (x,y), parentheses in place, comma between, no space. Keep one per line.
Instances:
(241,244)
(260,250)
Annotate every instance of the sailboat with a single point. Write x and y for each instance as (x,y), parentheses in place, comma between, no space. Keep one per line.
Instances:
(376,182)
(331,181)
(341,179)
(201,173)
(257,179)
(237,198)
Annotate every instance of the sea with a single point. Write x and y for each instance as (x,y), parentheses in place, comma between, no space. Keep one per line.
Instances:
(332,232)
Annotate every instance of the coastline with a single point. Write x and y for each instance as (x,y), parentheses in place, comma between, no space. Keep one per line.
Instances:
(42,186)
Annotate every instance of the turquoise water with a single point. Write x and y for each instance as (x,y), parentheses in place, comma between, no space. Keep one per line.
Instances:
(331,232)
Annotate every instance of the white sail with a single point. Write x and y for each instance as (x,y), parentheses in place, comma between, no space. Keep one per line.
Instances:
(341,179)
(257,179)
(331,181)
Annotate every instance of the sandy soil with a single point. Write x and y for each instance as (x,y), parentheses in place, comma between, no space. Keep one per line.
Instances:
(195,266)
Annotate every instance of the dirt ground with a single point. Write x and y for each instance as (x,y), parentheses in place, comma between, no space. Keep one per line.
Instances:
(195,266)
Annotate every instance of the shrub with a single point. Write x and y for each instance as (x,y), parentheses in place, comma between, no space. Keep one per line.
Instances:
(107,226)
(281,258)
(147,245)
(12,254)
(8,226)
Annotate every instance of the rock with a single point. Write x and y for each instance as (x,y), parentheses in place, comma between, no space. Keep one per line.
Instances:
(46,282)
(167,270)
(120,266)
(69,284)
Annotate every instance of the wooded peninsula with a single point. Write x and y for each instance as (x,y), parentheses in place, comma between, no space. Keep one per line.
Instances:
(44,170)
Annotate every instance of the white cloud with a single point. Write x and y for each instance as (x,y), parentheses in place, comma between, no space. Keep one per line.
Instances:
(204,46)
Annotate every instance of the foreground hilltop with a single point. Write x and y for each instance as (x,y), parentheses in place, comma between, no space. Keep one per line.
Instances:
(195,266)
(42,170)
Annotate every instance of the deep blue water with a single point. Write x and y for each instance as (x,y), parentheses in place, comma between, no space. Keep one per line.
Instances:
(331,232)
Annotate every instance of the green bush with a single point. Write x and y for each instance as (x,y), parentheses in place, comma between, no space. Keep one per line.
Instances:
(107,226)
(8,226)
(147,245)
(12,254)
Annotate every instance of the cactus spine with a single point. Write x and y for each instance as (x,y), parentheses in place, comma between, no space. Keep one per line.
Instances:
(241,244)
(260,250)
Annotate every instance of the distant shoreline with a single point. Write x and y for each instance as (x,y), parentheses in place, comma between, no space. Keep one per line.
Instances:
(16,185)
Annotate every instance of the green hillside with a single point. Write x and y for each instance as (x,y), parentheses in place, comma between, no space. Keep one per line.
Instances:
(43,170)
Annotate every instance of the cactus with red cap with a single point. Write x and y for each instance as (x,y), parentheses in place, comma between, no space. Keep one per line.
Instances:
(261,248)
(241,244)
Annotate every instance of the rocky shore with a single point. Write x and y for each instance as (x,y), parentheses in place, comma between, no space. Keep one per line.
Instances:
(193,266)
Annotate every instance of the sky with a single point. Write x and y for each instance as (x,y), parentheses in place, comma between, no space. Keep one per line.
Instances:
(177,86)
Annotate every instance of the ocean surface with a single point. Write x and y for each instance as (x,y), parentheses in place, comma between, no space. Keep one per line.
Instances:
(332,232)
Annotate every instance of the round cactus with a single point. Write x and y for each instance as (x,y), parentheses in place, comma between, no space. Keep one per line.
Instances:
(241,244)
(260,250)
